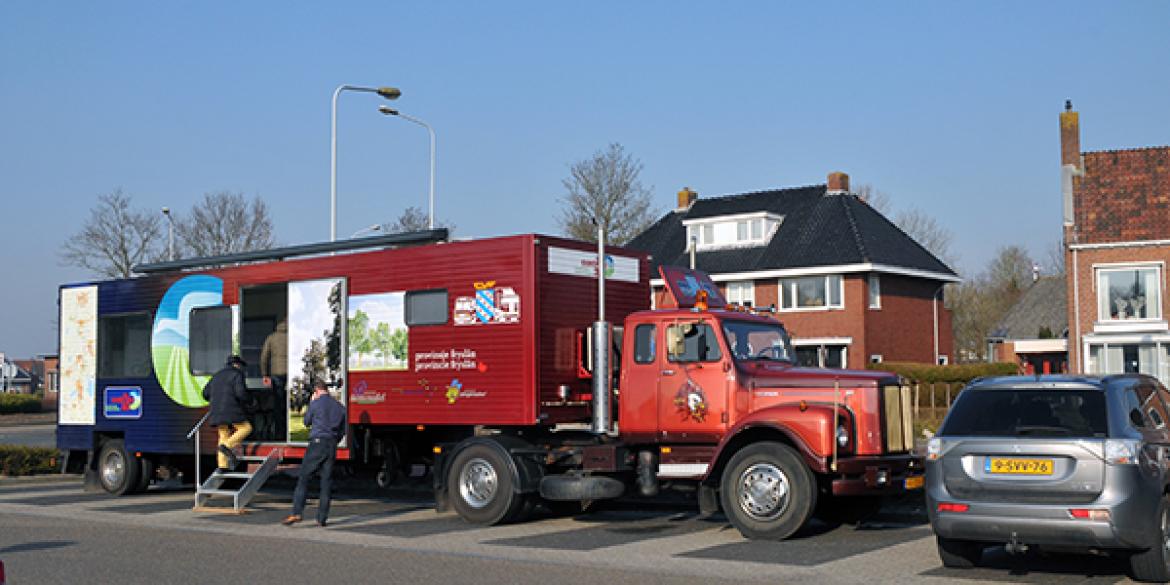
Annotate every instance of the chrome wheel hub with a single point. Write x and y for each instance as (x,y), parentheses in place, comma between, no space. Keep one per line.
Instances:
(477,483)
(762,491)
(113,469)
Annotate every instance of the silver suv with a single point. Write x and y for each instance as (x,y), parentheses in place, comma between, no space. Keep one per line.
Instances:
(1054,461)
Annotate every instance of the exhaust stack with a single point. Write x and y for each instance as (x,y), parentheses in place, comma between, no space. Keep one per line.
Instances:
(601,370)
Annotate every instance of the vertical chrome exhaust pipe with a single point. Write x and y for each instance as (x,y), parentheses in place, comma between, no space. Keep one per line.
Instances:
(601,369)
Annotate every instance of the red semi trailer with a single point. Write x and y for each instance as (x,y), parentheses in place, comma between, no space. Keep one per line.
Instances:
(489,363)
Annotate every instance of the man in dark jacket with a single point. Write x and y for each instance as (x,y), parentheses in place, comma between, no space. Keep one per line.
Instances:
(326,419)
(227,394)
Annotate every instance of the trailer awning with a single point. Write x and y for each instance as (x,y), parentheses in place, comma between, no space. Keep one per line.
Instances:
(386,241)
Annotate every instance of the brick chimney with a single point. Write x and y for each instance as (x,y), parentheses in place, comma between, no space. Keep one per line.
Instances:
(838,183)
(1070,136)
(686,198)
(1070,159)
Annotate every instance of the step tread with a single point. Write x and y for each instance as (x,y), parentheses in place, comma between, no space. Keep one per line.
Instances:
(234,475)
(219,492)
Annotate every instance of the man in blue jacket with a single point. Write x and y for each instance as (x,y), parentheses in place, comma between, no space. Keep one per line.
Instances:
(325,418)
(227,394)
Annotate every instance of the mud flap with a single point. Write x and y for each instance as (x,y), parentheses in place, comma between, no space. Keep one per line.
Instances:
(708,501)
(89,478)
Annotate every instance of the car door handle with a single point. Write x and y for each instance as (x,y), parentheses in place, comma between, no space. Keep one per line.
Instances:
(667,372)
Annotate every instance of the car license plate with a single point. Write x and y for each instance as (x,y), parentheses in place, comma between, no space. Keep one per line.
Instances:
(914,482)
(1018,466)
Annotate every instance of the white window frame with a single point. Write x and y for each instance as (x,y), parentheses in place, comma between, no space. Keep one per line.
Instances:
(875,291)
(1102,292)
(722,232)
(740,285)
(781,295)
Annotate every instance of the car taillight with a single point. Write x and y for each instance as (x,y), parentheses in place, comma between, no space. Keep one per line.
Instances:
(1089,514)
(952,507)
(1121,451)
(933,449)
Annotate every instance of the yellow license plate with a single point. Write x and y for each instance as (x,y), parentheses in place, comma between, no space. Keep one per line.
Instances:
(1017,466)
(914,482)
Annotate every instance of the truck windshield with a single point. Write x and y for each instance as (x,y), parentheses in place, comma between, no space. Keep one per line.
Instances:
(752,340)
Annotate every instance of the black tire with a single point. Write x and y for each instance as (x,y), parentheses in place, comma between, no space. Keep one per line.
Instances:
(1153,564)
(848,510)
(118,472)
(782,492)
(145,474)
(481,487)
(959,554)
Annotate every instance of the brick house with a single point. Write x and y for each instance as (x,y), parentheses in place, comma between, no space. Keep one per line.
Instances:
(848,284)
(1117,245)
(1034,331)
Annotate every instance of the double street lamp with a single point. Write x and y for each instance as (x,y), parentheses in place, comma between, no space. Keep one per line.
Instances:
(387,110)
(390,93)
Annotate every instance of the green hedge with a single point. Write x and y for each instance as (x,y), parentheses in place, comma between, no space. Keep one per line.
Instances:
(12,403)
(949,374)
(17,460)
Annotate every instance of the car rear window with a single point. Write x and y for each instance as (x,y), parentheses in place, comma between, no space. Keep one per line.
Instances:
(1027,413)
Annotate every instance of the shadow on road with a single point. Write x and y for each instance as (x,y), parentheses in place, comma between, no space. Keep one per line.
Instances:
(35,546)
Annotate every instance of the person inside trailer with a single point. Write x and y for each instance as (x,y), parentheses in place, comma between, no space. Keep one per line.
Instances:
(274,369)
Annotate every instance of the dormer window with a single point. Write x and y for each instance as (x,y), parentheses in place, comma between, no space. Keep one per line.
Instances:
(732,231)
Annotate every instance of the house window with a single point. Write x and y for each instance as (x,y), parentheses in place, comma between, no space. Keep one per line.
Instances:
(749,229)
(821,355)
(1129,293)
(811,292)
(757,229)
(741,293)
(708,235)
(741,231)
(875,291)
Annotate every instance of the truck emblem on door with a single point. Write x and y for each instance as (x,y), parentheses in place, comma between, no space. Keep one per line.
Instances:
(691,402)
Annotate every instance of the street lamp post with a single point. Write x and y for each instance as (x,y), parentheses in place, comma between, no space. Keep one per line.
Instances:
(390,93)
(170,233)
(431,131)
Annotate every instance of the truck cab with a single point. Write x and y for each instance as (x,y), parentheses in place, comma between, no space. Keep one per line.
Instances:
(712,386)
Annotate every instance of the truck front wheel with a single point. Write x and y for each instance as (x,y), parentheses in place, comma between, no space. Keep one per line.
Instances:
(481,486)
(767,492)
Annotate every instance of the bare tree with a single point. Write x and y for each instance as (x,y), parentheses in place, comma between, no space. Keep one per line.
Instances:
(916,223)
(606,188)
(225,223)
(414,219)
(981,302)
(114,239)
(926,231)
(1055,258)
(876,199)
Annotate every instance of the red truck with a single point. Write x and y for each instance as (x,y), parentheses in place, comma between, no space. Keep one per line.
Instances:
(511,368)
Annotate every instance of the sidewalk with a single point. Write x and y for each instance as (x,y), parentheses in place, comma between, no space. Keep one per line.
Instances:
(21,419)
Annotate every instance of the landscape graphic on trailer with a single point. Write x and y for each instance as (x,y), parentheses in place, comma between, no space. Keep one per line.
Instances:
(170,337)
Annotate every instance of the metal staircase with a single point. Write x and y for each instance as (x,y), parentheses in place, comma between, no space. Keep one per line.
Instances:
(261,468)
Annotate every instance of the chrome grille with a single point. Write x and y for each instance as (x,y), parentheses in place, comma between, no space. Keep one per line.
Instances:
(898,416)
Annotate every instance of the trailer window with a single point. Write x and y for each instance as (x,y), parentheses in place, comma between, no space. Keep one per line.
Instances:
(426,307)
(692,342)
(644,344)
(210,339)
(124,346)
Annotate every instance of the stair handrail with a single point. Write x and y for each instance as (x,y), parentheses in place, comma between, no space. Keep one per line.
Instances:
(195,433)
(199,424)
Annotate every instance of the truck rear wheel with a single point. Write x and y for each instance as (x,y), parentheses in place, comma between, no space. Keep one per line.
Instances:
(118,472)
(481,486)
(767,492)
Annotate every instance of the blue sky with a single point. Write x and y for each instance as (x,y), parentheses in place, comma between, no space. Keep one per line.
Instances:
(948,107)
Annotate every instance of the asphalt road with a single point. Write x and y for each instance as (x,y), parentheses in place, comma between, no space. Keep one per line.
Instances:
(52,532)
(35,435)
